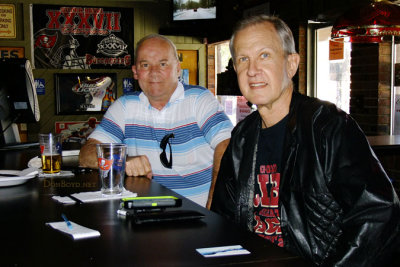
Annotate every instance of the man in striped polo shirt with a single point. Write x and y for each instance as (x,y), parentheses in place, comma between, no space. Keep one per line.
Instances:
(176,133)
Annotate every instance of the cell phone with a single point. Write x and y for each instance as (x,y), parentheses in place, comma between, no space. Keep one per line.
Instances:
(156,202)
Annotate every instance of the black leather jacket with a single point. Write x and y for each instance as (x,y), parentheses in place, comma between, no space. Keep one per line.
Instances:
(337,205)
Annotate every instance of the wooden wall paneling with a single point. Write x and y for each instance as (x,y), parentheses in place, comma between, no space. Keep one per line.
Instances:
(147,18)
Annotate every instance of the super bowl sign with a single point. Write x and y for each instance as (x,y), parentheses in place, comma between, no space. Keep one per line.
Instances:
(75,37)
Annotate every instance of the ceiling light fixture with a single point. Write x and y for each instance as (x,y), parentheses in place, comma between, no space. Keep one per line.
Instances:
(375,22)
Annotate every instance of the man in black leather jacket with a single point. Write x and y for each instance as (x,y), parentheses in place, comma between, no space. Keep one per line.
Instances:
(299,172)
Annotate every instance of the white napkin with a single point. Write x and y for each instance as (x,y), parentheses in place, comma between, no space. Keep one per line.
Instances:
(61,174)
(35,162)
(76,232)
(93,196)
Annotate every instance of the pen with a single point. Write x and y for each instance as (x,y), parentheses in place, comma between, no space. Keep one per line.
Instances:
(77,200)
(66,221)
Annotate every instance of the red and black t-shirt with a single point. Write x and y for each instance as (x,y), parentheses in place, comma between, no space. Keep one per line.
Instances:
(266,194)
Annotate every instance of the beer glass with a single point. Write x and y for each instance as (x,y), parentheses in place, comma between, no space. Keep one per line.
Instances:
(50,150)
(111,160)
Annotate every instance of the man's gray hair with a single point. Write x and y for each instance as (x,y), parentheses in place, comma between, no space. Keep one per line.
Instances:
(283,30)
(155,36)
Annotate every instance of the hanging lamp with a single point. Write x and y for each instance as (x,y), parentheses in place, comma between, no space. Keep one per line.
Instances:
(376,22)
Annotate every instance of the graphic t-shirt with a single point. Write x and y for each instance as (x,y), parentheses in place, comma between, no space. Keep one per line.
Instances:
(266,220)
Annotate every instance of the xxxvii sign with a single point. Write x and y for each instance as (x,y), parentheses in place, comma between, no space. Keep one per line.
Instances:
(73,37)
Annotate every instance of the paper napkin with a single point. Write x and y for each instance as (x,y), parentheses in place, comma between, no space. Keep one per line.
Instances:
(61,174)
(76,232)
(92,197)
(223,251)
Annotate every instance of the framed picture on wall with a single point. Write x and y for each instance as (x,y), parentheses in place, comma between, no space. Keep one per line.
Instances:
(84,93)
(81,37)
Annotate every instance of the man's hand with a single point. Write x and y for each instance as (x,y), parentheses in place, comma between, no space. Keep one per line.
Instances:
(88,154)
(138,166)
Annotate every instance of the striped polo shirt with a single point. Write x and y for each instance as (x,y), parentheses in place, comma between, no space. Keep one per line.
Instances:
(196,119)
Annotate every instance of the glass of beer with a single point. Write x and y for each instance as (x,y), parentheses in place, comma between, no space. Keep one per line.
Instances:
(50,150)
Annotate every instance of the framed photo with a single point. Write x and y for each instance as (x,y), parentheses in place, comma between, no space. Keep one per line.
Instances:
(84,93)
(76,131)
(81,37)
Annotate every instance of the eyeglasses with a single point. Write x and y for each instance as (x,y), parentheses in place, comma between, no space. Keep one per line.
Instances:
(163,155)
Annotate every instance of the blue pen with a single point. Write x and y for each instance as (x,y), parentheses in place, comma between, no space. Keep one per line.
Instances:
(66,221)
